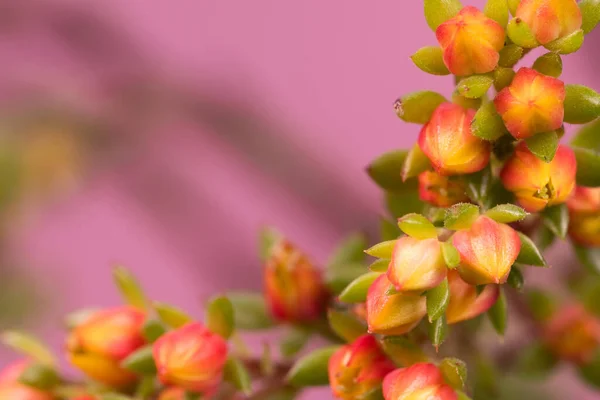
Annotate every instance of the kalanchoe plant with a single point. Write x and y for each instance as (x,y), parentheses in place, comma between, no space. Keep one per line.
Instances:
(473,204)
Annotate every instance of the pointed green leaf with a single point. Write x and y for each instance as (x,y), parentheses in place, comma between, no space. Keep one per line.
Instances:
(388,230)
(294,341)
(512,6)
(515,278)
(437,300)
(543,145)
(417,107)
(386,170)
(588,166)
(236,373)
(478,186)
(510,55)
(454,372)
(219,316)
(171,315)
(556,218)
(487,123)
(130,289)
(152,330)
(311,370)
(356,292)
(430,59)
(406,202)
(267,238)
(464,102)
(417,226)
(461,216)
(450,254)
(462,396)
(507,213)
(582,104)
(438,331)
(530,254)
(140,361)
(498,314)
(503,77)
(590,12)
(440,11)
(349,251)
(415,163)
(29,346)
(549,64)
(589,257)
(402,350)
(250,311)
(380,265)
(40,376)
(338,278)
(520,34)
(568,44)
(497,10)
(346,325)
(382,250)
(475,86)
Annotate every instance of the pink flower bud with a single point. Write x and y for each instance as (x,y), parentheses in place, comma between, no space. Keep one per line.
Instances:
(192,358)
(11,389)
(449,144)
(470,42)
(393,314)
(584,216)
(358,369)
(538,184)
(98,345)
(441,191)
(294,287)
(533,103)
(172,394)
(550,19)
(465,303)
(487,251)
(422,381)
(417,265)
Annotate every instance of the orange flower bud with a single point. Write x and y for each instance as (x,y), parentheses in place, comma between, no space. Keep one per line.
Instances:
(470,42)
(293,285)
(358,369)
(11,389)
(449,144)
(584,216)
(573,334)
(465,303)
(393,314)
(99,344)
(533,103)
(172,394)
(537,184)
(191,357)
(422,381)
(417,265)
(550,19)
(440,190)
(487,251)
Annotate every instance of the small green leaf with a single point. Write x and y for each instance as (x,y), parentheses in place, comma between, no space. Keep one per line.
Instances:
(475,86)
(311,370)
(430,59)
(507,213)
(530,254)
(520,34)
(437,300)
(356,292)
(146,387)
(386,170)
(236,373)
(402,350)
(549,64)
(498,11)
(461,216)
(498,314)
(510,55)
(556,219)
(152,330)
(380,265)
(568,44)
(418,107)
(267,238)
(439,11)
(415,163)
(382,250)
(140,361)
(438,331)
(406,202)
(503,77)
(536,361)
(267,365)
(478,186)
(388,230)
(515,278)
(417,226)
(590,12)
(346,325)
(589,257)
(487,123)
(250,311)
(130,289)
(582,104)
(29,346)
(450,254)
(454,372)
(349,251)
(512,6)
(219,316)
(40,376)
(543,145)
(470,104)
(462,395)
(338,278)
(171,315)
(588,166)
(294,341)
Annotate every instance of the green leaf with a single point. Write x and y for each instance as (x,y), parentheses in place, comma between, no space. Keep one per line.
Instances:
(549,64)
(568,44)
(590,12)
(400,204)
(498,314)
(152,330)
(487,380)
(294,341)
(590,372)
(454,372)
(507,213)
(462,396)
(39,376)
(589,257)
(437,300)
(438,331)
(471,104)
(250,311)
(498,11)
(430,59)
(29,346)
(415,163)
(475,86)
(236,373)
(503,77)
(417,226)
(267,238)
(543,145)
(356,292)
(515,278)
(487,123)
(418,107)
(382,250)
(130,289)
(510,55)
(461,216)
(588,167)
(541,304)
(386,170)
(311,370)
(349,251)
(171,315)
(512,6)
(346,325)
(380,265)
(582,104)
(520,34)
(440,11)
(450,254)
(388,230)
(544,238)
(338,278)
(146,387)
(530,254)
(140,361)
(478,186)
(219,316)
(536,361)
(402,350)
(556,219)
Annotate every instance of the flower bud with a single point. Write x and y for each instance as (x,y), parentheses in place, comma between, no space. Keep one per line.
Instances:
(11,389)
(533,103)
(550,20)
(422,381)
(172,394)
(538,184)
(487,251)
(358,369)
(450,145)
(392,314)
(465,302)
(294,287)
(471,42)
(573,334)
(584,216)
(99,344)
(417,265)
(192,358)
(440,190)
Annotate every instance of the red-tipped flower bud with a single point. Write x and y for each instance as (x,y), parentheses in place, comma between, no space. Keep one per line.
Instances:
(98,345)
(441,191)
(584,216)
(470,42)
(550,20)
(487,251)
(392,314)
(422,381)
(11,389)
(533,103)
(294,287)
(358,369)
(417,265)
(465,302)
(450,145)
(192,358)
(538,184)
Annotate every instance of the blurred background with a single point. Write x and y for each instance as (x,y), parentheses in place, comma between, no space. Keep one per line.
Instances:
(162,135)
